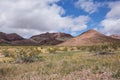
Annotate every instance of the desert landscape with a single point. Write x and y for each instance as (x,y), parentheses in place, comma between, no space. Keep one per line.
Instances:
(59,39)
(78,58)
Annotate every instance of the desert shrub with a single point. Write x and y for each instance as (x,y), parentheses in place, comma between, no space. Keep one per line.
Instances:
(94,48)
(104,47)
(28,55)
(116,75)
(65,49)
(83,48)
(62,48)
(52,50)
(104,53)
(101,48)
(6,70)
(7,53)
(49,65)
(6,60)
(65,69)
(95,69)
(115,46)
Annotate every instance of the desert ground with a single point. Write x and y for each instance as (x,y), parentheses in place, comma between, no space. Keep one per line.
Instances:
(100,62)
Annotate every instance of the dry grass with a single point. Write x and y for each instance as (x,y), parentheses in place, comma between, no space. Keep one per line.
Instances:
(57,63)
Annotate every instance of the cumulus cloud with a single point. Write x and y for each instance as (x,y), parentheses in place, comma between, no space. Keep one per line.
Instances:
(29,17)
(87,5)
(111,24)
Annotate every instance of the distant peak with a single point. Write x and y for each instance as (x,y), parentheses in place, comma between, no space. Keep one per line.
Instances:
(2,33)
(116,36)
(13,34)
(91,30)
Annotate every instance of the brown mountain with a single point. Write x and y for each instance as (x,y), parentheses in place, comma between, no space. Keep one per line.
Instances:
(115,36)
(42,39)
(3,36)
(24,42)
(8,38)
(90,37)
(51,38)
(13,37)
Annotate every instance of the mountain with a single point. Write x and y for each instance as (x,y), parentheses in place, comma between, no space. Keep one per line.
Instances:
(51,38)
(90,37)
(3,36)
(42,39)
(24,42)
(115,36)
(8,38)
(13,37)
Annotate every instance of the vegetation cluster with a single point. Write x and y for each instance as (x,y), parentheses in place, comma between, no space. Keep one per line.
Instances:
(60,62)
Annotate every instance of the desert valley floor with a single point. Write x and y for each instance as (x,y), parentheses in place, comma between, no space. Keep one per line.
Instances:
(101,62)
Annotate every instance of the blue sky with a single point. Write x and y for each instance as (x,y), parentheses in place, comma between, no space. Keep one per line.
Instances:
(31,17)
(96,17)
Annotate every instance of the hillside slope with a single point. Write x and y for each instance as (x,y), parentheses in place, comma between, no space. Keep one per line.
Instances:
(90,37)
(51,38)
(115,36)
(42,39)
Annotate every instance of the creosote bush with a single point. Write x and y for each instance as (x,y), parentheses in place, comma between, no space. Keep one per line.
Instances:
(28,55)
(116,74)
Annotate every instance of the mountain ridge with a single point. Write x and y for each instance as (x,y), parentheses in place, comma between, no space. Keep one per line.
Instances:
(41,39)
(90,37)
(51,38)
(116,36)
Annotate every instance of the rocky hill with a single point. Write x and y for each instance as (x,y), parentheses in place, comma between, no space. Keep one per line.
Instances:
(51,38)
(42,39)
(8,38)
(24,42)
(115,36)
(90,37)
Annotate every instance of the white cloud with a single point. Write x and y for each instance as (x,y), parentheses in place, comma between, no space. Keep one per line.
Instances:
(111,24)
(87,5)
(29,17)
(115,10)
(79,23)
